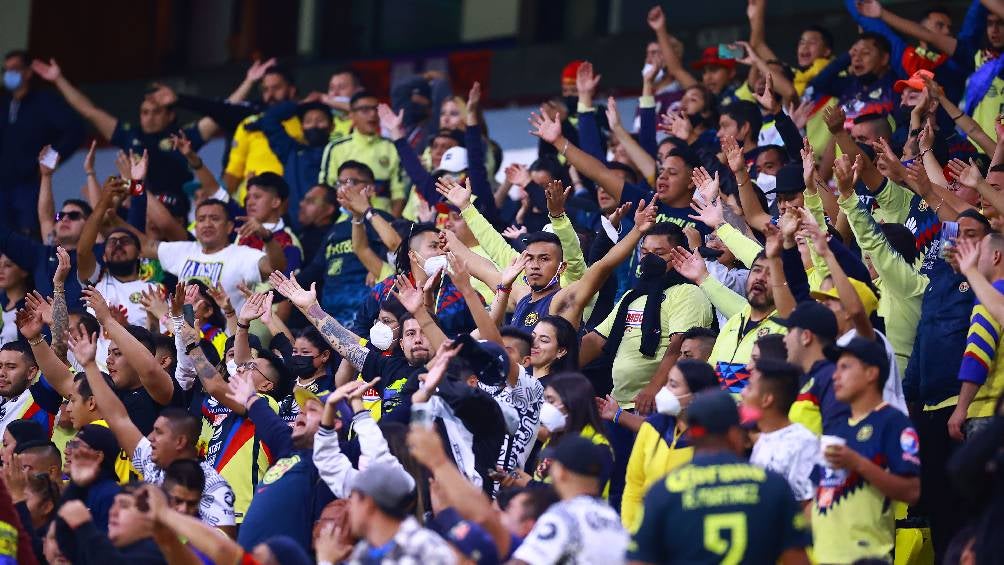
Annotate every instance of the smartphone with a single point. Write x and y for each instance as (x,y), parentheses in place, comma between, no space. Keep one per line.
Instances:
(189,313)
(421,415)
(949,234)
(49,158)
(730,51)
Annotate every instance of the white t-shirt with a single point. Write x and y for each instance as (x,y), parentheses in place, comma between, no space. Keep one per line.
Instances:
(125,294)
(791,452)
(217,505)
(893,391)
(8,329)
(13,408)
(228,266)
(582,530)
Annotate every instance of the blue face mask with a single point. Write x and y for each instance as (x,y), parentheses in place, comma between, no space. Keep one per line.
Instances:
(12,80)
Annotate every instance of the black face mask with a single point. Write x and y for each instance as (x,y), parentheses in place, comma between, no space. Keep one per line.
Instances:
(122,268)
(316,137)
(652,267)
(302,366)
(572,103)
(415,112)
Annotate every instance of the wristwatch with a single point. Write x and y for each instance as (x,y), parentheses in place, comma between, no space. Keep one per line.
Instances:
(369,214)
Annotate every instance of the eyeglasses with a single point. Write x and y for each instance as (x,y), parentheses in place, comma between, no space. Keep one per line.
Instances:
(118,241)
(347,183)
(72,215)
(252,366)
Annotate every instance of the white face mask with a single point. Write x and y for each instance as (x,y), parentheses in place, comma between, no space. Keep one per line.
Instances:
(667,403)
(381,336)
(767,183)
(231,367)
(648,68)
(435,264)
(551,418)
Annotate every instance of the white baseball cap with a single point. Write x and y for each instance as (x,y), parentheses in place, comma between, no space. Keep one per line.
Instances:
(454,160)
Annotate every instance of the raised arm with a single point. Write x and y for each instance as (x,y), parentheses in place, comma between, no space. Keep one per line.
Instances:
(60,317)
(86,262)
(549,129)
(355,200)
(183,145)
(342,340)
(641,158)
(944,43)
(968,255)
(657,21)
(46,204)
(112,409)
(753,211)
(461,278)
(414,300)
(834,117)
(102,121)
(153,377)
(29,323)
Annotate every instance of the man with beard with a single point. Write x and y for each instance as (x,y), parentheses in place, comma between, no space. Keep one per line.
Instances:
(250,151)
(301,161)
(18,370)
(371,363)
(168,170)
(118,278)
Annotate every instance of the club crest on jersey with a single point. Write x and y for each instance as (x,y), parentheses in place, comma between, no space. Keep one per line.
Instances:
(964,286)
(865,433)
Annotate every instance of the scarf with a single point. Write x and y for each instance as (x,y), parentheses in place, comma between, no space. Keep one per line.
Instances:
(652,283)
(980,81)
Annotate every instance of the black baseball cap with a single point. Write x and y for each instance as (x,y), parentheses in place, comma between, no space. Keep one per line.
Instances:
(813,316)
(489,360)
(867,351)
(582,457)
(790,179)
(712,412)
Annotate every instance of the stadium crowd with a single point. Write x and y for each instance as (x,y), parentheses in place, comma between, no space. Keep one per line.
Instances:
(758,321)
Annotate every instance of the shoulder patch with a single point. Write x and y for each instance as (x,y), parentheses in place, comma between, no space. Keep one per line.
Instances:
(909,442)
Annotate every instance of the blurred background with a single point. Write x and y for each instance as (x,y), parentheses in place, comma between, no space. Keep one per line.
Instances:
(114,49)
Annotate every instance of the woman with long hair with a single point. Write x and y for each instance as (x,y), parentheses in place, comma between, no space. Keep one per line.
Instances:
(555,348)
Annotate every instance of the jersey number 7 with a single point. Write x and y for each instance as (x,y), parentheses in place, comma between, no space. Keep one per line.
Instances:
(733,549)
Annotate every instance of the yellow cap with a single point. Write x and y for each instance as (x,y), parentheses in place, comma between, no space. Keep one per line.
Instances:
(865,293)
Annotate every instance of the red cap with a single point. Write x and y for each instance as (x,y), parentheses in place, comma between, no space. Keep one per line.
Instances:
(570,70)
(710,57)
(916,81)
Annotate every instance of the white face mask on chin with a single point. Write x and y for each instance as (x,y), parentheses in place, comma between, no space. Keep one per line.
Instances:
(435,264)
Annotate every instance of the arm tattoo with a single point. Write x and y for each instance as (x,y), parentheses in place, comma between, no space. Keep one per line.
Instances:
(342,340)
(60,323)
(203,367)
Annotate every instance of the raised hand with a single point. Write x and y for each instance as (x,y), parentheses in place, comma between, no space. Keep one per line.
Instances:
(733,154)
(139,165)
(355,199)
(844,175)
(967,254)
(410,297)
(62,267)
(181,143)
(49,71)
(618,214)
(968,174)
(789,223)
(40,304)
(585,81)
(808,164)
(178,299)
(73,512)
(457,194)
(42,169)
(258,69)
(556,198)
(925,140)
(709,212)
(800,114)
(884,152)
(241,389)
(84,347)
(514,232)
(29,322)
(459,273)
(89,158)
(474,99)
(162,95)
(869,8)
(774,241)
(254,308)
(656,19)
(153,302)
(689,265)
(545,127)
(810,229)
(644,216)
(292,290)
(613,116)
(834,117)
(517,174)
(93,299)
(766,98)
(393,123)
(515,267)
(707,185)
(677,125)
(916,177)
(85,465)
(220,296)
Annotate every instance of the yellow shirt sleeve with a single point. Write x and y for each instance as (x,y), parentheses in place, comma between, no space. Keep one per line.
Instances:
(495,246)
(728,302)
(575,262)
(744,248)
(634,477)
(237,161)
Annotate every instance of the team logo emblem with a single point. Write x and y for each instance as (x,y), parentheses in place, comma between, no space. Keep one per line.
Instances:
(964,286)
(531,319)
(762,332)
(865,433)
(134,297)
(384,161)
(165,144)
(922,206)
(909,442)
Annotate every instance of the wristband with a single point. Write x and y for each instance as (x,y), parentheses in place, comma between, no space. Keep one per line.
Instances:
(368,214)
(243,326)
(617,416)
(503,288)
(135,188)
(230,312)
(558,217)
(191,347)
(357,222)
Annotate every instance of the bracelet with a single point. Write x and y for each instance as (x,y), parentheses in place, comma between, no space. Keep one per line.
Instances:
(961,113)
(564,149)
(938,207)
(230,312)
(36,341)
(357,222)
(243,326)
(924,152)
(91,173)
(558,217)
(503,288)
(617,416)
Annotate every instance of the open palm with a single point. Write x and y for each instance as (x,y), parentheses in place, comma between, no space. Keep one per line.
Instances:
(288,287)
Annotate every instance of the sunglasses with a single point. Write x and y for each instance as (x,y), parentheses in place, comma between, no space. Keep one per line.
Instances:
(73,216)
(118,241)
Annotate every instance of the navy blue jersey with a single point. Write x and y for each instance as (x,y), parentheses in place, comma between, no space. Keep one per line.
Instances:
(526,314)
(719,509)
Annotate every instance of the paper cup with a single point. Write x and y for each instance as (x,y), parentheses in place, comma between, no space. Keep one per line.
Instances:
(826,441)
